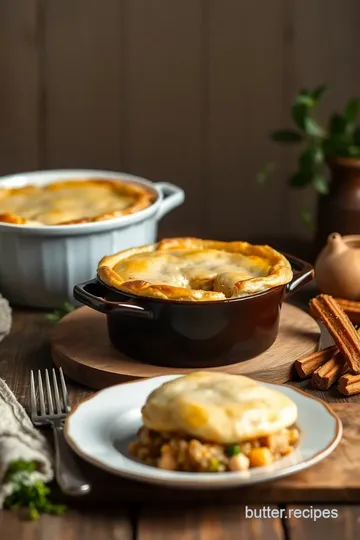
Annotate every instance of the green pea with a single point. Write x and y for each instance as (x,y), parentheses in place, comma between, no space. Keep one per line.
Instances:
(233,450)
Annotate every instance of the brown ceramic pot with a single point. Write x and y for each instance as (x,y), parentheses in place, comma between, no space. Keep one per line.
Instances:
(339,210)
(192,334)
(337,268)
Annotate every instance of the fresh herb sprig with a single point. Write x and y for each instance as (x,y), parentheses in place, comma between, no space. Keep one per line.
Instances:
(58,314)
(340,138)
(34,497)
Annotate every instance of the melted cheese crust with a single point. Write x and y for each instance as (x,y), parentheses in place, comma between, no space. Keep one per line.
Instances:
(70,202)
(194,269)
(218,407)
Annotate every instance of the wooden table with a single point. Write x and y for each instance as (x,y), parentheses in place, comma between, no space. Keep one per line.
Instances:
(123,510)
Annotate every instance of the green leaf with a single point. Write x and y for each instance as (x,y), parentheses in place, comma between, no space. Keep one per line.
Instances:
(18,466)
(320,184)
(286,136)
(337,124)
(33,512)
(312,128)
(33,496)
(311,159)
(357,136)
(304,102)
(58,314)
(336,145)
(318,92)
(305,98)
(307,218)
(300,180)
(299,114)
(351,110)
(353,151)
(265,172)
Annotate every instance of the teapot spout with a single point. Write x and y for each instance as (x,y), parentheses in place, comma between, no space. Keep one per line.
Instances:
(335,244)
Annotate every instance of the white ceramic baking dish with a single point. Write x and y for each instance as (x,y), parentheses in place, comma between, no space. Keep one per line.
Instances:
(39,266)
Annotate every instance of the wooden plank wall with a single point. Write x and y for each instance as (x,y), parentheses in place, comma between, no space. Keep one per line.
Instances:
(181,91)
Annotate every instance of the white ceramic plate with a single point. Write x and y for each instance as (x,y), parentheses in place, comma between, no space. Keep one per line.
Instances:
(100,429)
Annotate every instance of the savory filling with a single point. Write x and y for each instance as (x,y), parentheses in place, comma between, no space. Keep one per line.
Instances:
(179,453)
(208,270)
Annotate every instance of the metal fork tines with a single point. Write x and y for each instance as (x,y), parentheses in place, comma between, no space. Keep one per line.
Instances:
(51,408)
(46,412)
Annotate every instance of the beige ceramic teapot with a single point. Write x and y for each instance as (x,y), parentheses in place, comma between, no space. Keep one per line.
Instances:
(337,268)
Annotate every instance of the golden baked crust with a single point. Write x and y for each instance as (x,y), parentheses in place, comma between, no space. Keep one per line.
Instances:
(218,407)
(73,201)
(191,269)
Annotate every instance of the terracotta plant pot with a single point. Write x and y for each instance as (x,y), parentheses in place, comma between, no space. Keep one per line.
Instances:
(339,210)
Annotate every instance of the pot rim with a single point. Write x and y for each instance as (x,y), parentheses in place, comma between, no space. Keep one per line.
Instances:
(300,278)
(139,298)
(51,175)
(347,162)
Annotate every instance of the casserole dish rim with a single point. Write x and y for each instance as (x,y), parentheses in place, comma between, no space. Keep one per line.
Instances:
(43,177)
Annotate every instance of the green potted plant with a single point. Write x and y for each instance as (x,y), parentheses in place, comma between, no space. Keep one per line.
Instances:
(328,162)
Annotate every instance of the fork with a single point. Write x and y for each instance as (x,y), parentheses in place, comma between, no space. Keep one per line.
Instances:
(67,472)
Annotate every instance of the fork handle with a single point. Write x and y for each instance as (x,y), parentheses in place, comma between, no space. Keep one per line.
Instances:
(67,473)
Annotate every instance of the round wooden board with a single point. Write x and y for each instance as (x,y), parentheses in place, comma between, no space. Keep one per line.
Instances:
(80,345)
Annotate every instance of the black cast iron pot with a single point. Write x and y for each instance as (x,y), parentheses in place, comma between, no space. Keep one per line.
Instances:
(192,334)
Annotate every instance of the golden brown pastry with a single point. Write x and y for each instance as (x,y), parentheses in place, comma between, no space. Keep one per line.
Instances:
(192,269)
(70,202)
(218,407)
(214,422)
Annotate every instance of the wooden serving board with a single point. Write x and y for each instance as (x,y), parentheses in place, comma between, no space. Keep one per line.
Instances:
(80,345)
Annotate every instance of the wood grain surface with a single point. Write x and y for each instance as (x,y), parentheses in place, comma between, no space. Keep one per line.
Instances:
(123,510)
(344,527)
(75,525)
(183,91)
(189,523)
(21,89)
(80,345)
(206,523)
(27,348)
(84,119)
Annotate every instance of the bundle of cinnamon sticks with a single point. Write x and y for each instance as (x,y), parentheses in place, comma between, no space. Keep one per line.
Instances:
(339,363)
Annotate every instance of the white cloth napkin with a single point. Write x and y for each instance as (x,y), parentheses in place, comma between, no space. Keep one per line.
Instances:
(19,440)
(5,317)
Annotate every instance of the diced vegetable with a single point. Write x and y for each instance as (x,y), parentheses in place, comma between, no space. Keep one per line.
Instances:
(233,450)
(259,457)
(214,465)
(240,462)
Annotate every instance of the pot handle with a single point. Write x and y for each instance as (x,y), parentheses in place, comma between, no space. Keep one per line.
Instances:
(173,196)
(92,293)
(303,272)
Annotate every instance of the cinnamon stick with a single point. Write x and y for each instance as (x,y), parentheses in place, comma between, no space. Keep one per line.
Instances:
(327,374)
(340,327)
(306,366)
(351,308)
(349,385)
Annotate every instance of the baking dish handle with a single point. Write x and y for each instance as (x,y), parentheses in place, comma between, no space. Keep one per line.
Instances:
(173,196)
(92,294)
(303,272)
